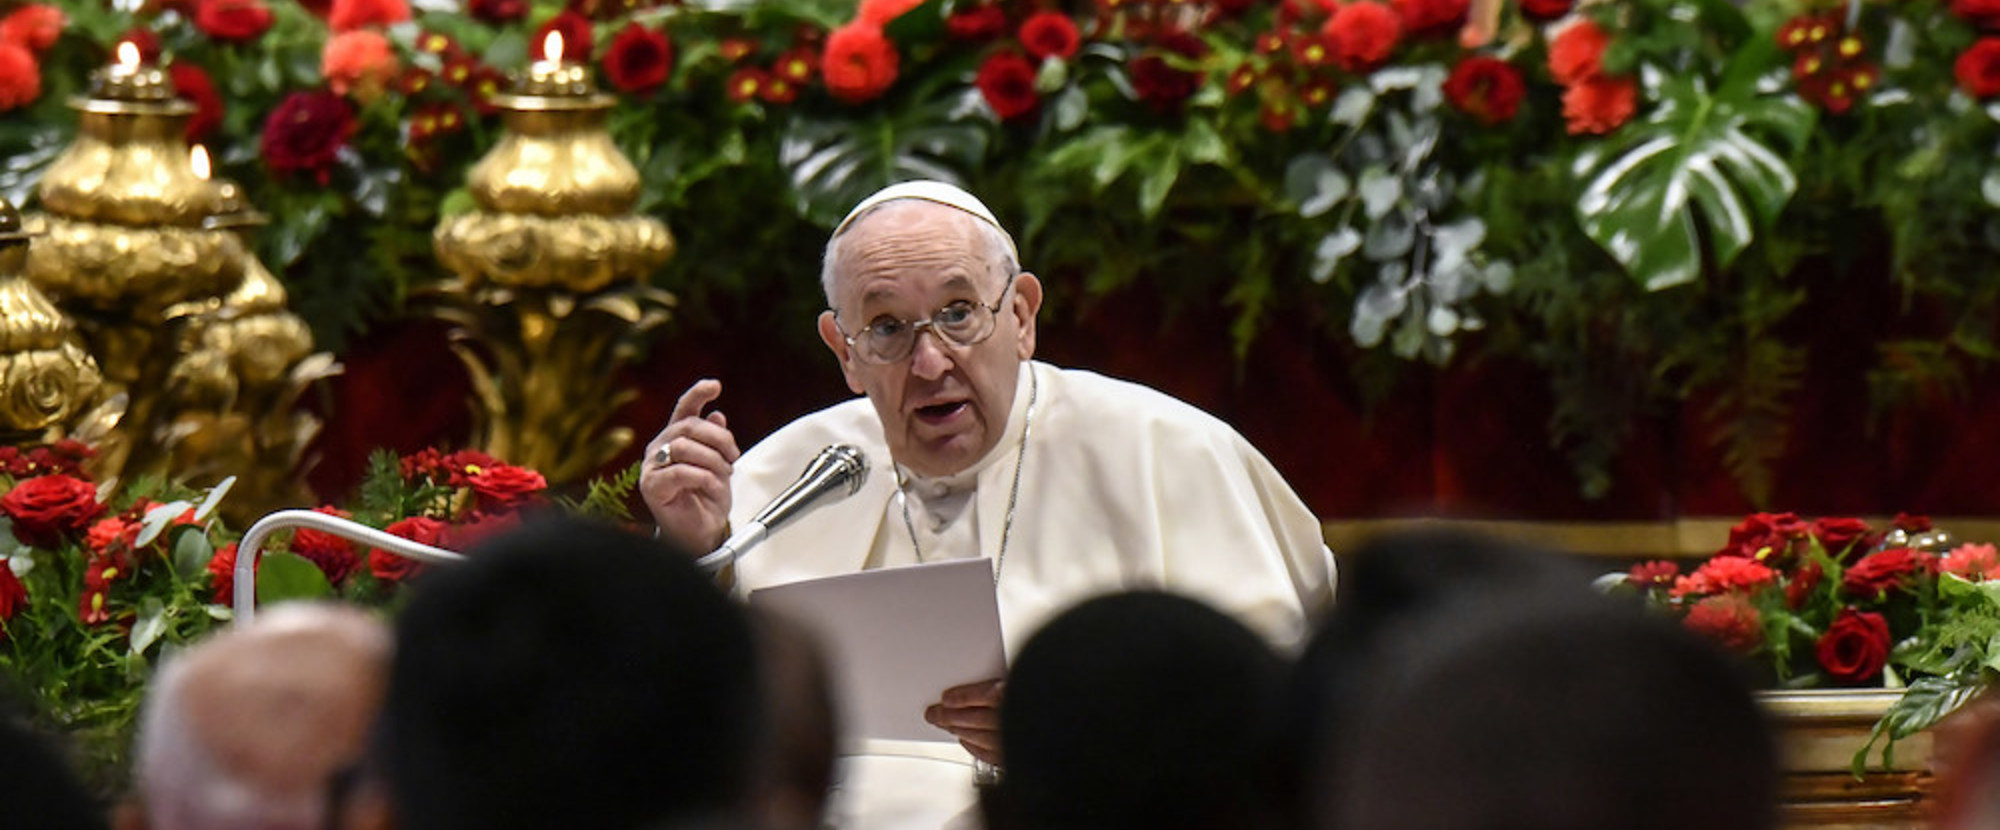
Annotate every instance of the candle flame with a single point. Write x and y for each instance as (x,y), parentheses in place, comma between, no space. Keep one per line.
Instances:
(128,54)
(199,158)
(552,47)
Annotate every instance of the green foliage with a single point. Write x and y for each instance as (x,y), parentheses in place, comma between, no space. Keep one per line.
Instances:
(607,498)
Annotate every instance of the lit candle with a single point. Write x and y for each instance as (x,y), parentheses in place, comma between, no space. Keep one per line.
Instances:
(129,79)
(198,157)
(552,48)
(552,76)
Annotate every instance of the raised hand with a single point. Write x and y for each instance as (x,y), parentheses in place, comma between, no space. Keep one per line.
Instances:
(686,475)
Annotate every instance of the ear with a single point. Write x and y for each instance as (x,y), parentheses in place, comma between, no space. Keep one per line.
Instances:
(830,335)
(1027,303)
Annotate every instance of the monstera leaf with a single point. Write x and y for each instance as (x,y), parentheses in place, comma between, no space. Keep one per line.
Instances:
(1699,169)
(834,164)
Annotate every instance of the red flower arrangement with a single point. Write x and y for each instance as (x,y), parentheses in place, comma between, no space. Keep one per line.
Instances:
(306,133)
(1007,81)
(1362,35)
(640,59)
(232,21)
(1577,53)
(1161,84)
(1050,35)
(859,63)
(47,509)
(20,76)
(1855,647)
(1978,68)
(193,83)
(1432,18)
(977,24)
(33,26)
(498,11)
(1487,89)
(577,42)
(348,15)
(359,63)
(1543,11)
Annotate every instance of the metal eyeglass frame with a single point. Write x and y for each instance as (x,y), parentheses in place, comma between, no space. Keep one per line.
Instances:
(917,327)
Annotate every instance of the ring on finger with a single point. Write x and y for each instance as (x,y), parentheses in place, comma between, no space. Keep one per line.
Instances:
(664,456)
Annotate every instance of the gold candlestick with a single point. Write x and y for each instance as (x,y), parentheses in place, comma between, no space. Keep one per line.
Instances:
(550,274)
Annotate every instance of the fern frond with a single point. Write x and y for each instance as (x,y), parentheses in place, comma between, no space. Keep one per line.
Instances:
(607,497)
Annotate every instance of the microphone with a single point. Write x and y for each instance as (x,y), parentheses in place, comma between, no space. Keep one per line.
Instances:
(838,467)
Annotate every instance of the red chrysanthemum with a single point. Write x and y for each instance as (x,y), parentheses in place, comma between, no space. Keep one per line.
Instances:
(1577,53)
(859,62)
(1596,107)
(1432,18)
(1659,573)
(1977,563)
(1363,35)
(34,26)
(348,15)
(1488,89)
(1007,81)
(111,535)
(1879,573)
(1729,621)
(306,132)
(777,90)
(222,575)
(745,85)
(1050,35)
(360,63)
(1722,575)
(192,83)
(980,23)
(1855,647)
(333,555)
(640,59)
(20,77)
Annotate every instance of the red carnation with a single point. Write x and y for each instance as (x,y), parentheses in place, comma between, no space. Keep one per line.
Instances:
(576,36)
(1362,35)
(192,83)
(504,486)
(47,508)
(1543,11)
(20,77)
(306,133)
(111,535)
(1432,18)
(1729,621)
(859,62)
(1658,573)
(639,60)
(34,26)
(1049,35)
(1724,574)
(13,595)
(1917,522)
(980,23)
(333,555)
(232,21)
(1878,573)
(1161,84)
(1764,535)
(1855,647)
(1984,14)
(1976,563)
(1488,89)
(390,567)
(222,574)
(360,63)
(498,11)
(1577,53)
(1007,81)
(1836,535)
(347,15)
(1599,106)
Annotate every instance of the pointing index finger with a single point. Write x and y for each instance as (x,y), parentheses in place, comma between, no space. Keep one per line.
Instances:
(697,396)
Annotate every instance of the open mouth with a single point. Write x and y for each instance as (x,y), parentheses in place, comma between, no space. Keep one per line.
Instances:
(941,411)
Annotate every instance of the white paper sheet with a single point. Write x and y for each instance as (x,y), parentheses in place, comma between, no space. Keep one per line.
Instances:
(896,638)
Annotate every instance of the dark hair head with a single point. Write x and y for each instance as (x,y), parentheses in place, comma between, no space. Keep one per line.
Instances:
(1551,710)
(568,675)
(37,787)
(1139,710)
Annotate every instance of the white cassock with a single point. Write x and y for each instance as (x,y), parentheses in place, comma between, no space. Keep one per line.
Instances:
(1121,487)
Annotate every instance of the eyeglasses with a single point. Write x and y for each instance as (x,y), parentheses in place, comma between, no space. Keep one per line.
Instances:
(887,340)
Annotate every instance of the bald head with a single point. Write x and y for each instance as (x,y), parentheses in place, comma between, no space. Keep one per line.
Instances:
(246,729)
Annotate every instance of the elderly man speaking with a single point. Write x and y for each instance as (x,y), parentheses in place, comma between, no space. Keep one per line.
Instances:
(1072,484)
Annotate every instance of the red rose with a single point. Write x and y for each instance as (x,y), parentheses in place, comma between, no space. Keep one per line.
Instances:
(1836,535)
(859,62)
(1976,563)
(232,21)
(1729,621)
(360,63)
(1432,18)
(1049,35)
(1800,587)
(1362,35)
(390,567)
(1878,573)
(1598,106)
(1982,13)
(47,508)
(504,486)
(1543,11)
(576,36)
(977,24)
(880,12)
(222,574)
(1855,647)
(306,133)
(1655,574)
(348,15)
(13,595)
(20,77)
(34,26)
(1764,535)
(1724,574)
(498,11)
(639,59)
(334,555)
(1577,53)
(1914,522)
(192,83)
(1007,81)
(1488,89)
(1159,82)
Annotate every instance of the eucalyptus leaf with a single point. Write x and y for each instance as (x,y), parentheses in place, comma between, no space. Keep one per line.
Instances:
(285,576)
(152,622)
(1071,107)
(215,494)
(192,552)
(1391,237)
(1051,75)
(1315,184)
(1454,241)
(1442,322)
(1380,190)
(1377,305)
(156,521)
(1331,250)
(1499,276)
(1353,106)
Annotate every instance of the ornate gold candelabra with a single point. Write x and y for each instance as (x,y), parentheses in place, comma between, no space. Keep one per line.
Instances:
(125,242)
(45,375)
(549,298)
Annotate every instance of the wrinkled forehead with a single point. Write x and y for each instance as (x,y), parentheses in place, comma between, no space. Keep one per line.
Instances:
(905,240)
